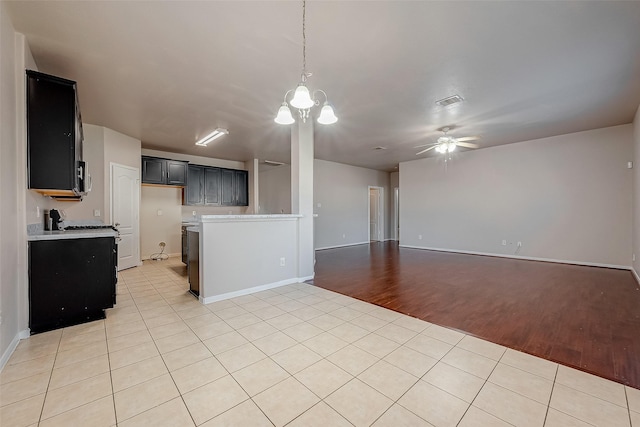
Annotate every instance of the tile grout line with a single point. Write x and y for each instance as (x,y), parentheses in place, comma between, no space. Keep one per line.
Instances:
(46,392)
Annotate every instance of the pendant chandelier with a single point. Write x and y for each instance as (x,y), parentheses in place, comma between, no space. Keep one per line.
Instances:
(302,99)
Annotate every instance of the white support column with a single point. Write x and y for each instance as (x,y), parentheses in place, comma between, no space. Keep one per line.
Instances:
(302,193)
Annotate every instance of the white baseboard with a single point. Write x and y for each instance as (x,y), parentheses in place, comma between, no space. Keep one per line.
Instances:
(635,274)
(342,246)
(528,258)
(12,347)
(252,290)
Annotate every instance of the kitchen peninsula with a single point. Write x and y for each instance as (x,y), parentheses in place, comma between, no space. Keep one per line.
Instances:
(242,254)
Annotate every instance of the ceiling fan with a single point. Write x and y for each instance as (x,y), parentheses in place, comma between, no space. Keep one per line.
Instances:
(447,143)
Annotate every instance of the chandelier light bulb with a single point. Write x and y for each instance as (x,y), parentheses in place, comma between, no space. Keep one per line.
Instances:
(452,146)
(301,98)
(284,116)
(327,116)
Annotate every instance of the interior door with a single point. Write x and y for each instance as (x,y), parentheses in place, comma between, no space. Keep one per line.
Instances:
(125,213)
(373,214)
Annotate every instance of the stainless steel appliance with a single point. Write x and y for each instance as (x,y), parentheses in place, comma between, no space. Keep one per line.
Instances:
(185,246)
(193,264)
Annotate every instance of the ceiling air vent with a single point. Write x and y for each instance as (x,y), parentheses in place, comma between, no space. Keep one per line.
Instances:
(445,102)
(273,163)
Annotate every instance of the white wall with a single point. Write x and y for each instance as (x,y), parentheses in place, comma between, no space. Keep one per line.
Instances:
(156,228)
(343,194)
(636,192)
(239,254)
(15,57)
(120,149)
(275,190)
(565,198)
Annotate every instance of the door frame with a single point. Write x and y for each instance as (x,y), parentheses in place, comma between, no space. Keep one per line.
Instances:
(380,212)
(137,214)
(396,213)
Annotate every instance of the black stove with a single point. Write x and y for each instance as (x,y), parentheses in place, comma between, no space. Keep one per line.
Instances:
(91,227)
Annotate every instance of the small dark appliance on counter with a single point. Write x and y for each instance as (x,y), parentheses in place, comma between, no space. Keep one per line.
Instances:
(56,219)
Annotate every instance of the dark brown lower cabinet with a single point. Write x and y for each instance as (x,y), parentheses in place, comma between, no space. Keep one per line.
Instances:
(71,281)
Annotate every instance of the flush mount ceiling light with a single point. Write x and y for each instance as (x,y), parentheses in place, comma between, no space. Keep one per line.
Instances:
(302,99)
(212,136)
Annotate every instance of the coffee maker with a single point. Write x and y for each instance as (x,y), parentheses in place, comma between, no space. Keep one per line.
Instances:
(56,219)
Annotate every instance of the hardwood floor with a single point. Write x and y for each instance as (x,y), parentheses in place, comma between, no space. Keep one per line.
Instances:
(584,317)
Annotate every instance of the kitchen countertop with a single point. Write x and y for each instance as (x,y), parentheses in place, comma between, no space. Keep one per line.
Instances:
(36,235)
(249,217)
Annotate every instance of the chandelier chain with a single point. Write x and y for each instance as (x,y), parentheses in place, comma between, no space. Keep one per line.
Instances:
(304,39)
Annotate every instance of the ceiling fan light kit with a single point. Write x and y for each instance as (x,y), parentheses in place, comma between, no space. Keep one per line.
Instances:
(303,100)
(447,144)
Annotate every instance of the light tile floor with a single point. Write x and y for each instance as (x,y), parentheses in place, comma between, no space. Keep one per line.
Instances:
(295,355)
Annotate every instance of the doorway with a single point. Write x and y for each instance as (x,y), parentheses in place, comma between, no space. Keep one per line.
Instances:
(125,213)
(376,214)
(396,214)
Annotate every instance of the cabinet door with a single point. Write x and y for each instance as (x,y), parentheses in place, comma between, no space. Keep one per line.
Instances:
(176,172)
(154,170)
(195,185)
(242,188)
(228,192)
(212,190)
(70,281)
(51,140)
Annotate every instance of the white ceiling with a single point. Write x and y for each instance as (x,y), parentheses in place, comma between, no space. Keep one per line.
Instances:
(170,72)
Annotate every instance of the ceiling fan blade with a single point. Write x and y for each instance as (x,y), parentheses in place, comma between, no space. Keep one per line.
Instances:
(467,138)
(425,150)
(425,145)
(467,144)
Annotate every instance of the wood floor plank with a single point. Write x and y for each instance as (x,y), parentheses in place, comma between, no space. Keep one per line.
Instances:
(584,317)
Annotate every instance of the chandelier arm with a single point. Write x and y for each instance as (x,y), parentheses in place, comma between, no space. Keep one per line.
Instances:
(313,95)
(286,94)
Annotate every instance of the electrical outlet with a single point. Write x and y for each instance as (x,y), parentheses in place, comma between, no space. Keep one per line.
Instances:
(344,236)
(37,211)
(194,213)
(419,236)
(96,212)
(282,262)
(159,212)
(519,244)
(504,243)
